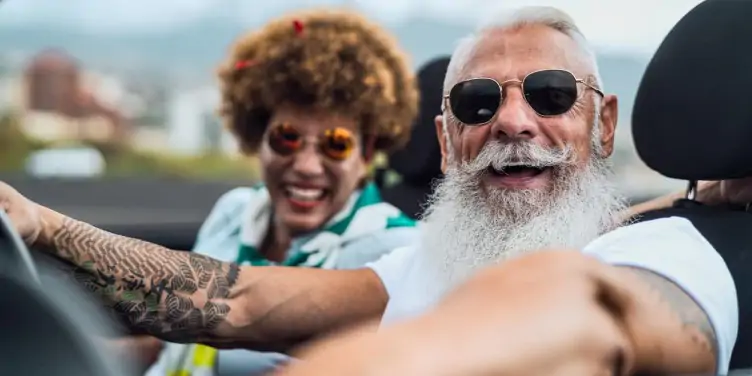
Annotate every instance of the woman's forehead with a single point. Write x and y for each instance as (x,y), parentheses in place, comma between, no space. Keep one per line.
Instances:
(312,120)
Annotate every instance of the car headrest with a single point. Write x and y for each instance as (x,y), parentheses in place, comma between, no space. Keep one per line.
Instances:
(420,161)
(692,117)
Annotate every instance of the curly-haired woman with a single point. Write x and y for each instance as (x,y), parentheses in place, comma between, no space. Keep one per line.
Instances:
(314,94)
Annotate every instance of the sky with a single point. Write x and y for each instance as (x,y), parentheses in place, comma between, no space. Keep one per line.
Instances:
(632,24)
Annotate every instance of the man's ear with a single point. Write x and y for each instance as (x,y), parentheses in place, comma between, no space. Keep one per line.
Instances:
(609,116)
(441,137)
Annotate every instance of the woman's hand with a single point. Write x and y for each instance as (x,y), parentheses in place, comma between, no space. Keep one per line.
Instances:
(23,213)
(732,191)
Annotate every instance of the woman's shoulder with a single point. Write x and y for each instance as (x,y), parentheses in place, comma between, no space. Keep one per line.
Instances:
(231,203)
(234,198)
(226,216)
(234,201)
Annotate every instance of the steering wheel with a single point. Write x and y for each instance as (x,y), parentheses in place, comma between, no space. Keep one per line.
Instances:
(49,327)
(16,257)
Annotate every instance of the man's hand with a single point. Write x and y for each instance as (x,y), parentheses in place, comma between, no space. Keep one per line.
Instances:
(24,213)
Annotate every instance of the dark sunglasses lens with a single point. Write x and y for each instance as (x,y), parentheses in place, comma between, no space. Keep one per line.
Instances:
(284,139)
(475,101)
(551,92)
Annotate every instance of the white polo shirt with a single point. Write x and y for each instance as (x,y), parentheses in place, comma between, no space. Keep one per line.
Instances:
(670,247)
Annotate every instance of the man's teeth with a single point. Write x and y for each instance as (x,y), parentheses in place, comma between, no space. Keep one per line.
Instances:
(305,194)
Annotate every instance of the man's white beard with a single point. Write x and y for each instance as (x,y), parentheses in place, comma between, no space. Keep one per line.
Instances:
(468,226)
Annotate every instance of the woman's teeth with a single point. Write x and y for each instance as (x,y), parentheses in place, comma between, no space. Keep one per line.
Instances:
(304,194)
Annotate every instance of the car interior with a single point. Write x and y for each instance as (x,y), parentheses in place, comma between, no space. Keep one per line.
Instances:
(49,326)
(691,121)
(165,211)
(419,163)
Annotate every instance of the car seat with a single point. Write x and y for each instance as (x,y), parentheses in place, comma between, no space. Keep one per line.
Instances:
(692,120)
(419,163)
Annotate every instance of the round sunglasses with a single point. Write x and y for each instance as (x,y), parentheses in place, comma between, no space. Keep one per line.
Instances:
(335,143)
(549,92)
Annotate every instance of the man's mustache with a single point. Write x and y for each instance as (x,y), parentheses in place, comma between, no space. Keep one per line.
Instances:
(525,153)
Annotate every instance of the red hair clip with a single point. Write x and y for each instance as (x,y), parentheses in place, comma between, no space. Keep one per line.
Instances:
(297,26)
(242,64)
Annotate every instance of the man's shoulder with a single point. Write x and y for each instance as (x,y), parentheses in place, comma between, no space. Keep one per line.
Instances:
(398,257)
(673,249)
(670,247)
(391,268)
(657,232)
(666,244)
(376,245)
(405,283)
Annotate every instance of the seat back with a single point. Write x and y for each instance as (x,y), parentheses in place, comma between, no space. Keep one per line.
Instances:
(729,230)
(419,163)
(692,120)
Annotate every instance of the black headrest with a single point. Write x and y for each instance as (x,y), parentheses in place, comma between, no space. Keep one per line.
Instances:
(692,117)
(420,161)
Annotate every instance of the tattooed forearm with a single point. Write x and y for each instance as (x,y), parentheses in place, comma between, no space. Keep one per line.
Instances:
(692,316)
(178,296)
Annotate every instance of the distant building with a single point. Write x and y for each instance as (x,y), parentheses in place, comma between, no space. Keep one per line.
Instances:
(58,105)
(193,126)
(53,82)
(11,93)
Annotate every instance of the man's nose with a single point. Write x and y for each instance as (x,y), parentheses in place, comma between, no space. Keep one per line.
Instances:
(308,162)
(515,118)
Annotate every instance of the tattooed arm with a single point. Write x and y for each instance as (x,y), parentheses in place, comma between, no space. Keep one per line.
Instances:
(186,297)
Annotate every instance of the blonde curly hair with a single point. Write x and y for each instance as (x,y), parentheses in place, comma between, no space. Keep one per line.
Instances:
(330,60)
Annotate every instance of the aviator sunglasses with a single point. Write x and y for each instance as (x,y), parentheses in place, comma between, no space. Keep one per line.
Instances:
(335,143)
(548,92)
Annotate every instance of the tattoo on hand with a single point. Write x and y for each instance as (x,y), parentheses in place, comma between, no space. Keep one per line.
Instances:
(178,296)
(692,316)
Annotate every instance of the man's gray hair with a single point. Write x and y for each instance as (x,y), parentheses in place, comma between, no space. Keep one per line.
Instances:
(506,19)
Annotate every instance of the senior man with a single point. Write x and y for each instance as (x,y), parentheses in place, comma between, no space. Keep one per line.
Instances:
(525,134)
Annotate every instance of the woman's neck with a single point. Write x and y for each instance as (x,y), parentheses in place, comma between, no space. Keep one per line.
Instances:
(276,242)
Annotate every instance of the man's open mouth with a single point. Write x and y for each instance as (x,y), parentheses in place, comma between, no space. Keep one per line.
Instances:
(518,171)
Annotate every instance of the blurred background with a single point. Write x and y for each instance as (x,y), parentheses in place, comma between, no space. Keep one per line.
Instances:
(107,108)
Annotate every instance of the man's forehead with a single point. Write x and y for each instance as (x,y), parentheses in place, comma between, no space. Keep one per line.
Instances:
(513,53)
